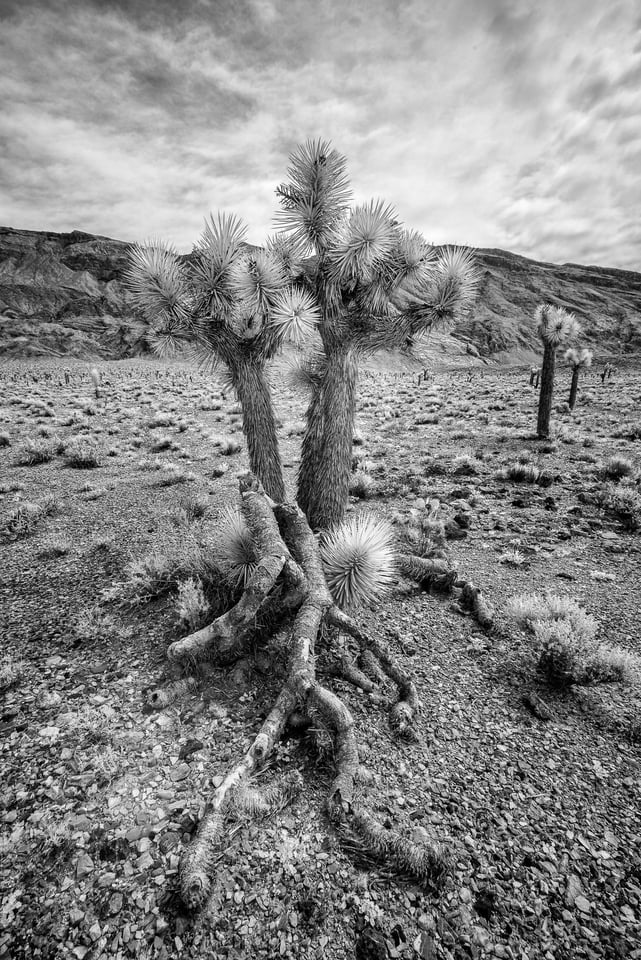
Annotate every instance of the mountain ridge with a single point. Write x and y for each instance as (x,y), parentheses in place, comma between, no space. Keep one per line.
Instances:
(61,294)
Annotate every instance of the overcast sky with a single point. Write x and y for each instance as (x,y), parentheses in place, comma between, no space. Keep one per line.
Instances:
(494,123)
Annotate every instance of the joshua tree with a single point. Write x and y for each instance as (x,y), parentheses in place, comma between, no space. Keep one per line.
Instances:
(357,281)
(579,360)
(554,326)
(355,276)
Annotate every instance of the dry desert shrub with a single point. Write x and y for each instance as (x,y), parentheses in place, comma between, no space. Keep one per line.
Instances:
(191,605)
(33,451)
(25,517)
(82,453)
(569,652)
(616,468)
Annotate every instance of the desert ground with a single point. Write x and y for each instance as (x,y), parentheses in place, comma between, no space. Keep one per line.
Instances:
(109,503)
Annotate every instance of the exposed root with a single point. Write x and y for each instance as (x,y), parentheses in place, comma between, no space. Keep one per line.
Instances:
(403,711)
(254,802)
(435,573)
(229,634)
(343,666)
(472,599)
(337,718)
(424,862)
(370,666)
(164,696)
(289,585)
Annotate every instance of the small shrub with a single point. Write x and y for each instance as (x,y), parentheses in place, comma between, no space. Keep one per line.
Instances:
(161,420)
(520,473)
(192,507)
(616,468)
(25,517)
(625,503)
(82,453)
(569,651)
(192,607)
(32,452)
(55,547)
(464,466)
(512,558)
(5,439)
(11,671)
(361,485)
(228,447)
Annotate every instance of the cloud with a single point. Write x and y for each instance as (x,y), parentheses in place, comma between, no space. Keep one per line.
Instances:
(506,123)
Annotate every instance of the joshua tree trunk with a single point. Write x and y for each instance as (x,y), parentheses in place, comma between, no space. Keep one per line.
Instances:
(547,388)
(323,487)
(259,425)
(576,370)
(310,450)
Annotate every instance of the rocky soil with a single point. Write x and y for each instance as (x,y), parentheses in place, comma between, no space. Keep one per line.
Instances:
(100,793)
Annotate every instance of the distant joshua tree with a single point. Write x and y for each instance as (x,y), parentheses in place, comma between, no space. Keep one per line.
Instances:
(554,326)
(579,360)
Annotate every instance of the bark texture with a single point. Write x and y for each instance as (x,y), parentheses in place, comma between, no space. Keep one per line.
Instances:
(547,389)
(259,424)
(323,483)
(574,386)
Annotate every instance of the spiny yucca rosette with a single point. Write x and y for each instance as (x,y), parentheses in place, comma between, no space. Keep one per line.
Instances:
(316,196)
(213,264)
(234,548)
(444,289)
(359,559)
(363,243)
(555,324)
(158,286)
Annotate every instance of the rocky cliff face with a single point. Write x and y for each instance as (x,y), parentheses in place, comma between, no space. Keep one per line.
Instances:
(61,295)
(607,302)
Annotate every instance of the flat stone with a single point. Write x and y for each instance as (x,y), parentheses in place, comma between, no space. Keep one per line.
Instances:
(179,772)
(582,904)
(84,865)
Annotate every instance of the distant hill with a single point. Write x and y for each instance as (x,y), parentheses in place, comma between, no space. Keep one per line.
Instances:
(61,295)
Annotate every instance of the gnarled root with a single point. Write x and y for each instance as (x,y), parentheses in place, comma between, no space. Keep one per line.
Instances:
(164,696)
(290,578)
(434,572)
(408,704)
(425,862)
(472,599)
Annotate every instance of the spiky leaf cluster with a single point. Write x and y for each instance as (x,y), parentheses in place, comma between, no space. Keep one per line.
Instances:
(359,559)
(555,324)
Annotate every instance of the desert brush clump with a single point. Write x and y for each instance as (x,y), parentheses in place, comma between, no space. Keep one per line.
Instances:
(623,501)
(191,606)
(82,452)
(25,516)
(569,652)
(37,450)
(616,468)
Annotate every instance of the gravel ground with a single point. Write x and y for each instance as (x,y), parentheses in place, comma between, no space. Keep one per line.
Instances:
(99,795)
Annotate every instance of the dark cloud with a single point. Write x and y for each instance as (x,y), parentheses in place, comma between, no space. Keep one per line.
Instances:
(505,123)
